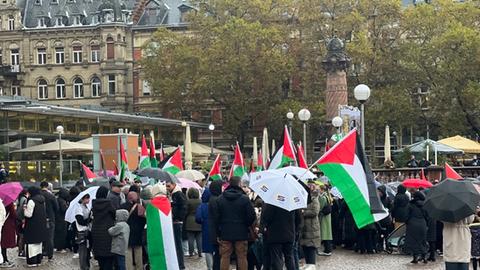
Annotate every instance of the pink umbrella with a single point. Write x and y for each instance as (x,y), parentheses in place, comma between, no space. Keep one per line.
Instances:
(187,183)
(9,192)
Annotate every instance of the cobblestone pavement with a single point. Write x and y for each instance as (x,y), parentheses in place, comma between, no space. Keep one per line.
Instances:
(340,260)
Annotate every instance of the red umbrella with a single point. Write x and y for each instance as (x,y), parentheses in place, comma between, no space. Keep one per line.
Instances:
(416,183)
(9,192)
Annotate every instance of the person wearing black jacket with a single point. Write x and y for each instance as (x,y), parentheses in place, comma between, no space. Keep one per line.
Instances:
(400,207)
(103,215)
(179,211)
(35,226)
(136,221)
(417,227)
(280,227)
(61,226)
(216,191)
(234,219)
(51,206)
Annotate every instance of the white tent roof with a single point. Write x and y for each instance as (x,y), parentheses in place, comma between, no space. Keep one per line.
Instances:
(67,147)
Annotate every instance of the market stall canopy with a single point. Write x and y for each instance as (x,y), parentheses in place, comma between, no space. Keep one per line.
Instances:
(199,150)
(67,147)
(88,141)
(459,142)
(441,148)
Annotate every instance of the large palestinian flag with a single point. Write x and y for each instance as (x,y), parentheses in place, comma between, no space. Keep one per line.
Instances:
(144,157)
(285,154)
(160,240)
(238,166)
(174,164)
(215,172)
(346,165)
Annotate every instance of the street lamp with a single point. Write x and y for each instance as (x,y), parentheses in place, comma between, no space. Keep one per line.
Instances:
(337,122)
(60,131)
(290,117)
(211,127)
(362,93)
(304,116)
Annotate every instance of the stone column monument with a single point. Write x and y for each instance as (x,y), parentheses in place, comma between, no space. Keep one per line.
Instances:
(335,63)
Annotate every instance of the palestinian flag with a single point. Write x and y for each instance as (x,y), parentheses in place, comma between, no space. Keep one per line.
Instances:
(160,241)
(173,163)
(88,175)
(115,168)
(346,165)
(238,166)
(144,158)
(451,173)
(153,159)
(260,161)
(216,170)
(301,157)
(162,152)
(102,161)
(285,154)
(124,162)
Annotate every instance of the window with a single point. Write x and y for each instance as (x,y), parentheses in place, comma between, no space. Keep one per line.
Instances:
(95,53)
(77,20)
(146,88)
(54,2)
(42,89)
(2,93)
(1,57)
(41,22)
(77,54)
(11,23)
(60,87)
(110,48)
(59,21)
(15,60)
(78,88)
(59,55)
(16,91)
(38,2)
(41,56)
(111,84)
(96,87)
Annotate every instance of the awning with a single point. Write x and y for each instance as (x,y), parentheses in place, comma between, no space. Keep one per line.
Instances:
(68,147)
(467,145)
(441,148)
(198,150)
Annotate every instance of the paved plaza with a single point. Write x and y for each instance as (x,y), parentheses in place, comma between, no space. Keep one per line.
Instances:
(340,260)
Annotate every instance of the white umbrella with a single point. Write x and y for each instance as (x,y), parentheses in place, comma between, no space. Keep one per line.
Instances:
(300,173)
(279,189)
(255,152)
(188,148)
(388,151)
(75,204)
(265,149)
(193,175)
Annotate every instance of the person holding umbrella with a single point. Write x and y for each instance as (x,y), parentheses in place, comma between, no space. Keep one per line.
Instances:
(9,234)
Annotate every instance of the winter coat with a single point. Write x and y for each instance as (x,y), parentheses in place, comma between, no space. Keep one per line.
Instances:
(325,220)
(103,218)
(212,214)
(115,198)
(120,233)
(279,225)
(416,235)
(432,229)
(179,206)
(136,224)
(400,208)
(190,224)
(51,205)
(9,230)
(457,240)
(61,226)
(235,215)
(310,235)
(36,226)
(475,231)
(202,217)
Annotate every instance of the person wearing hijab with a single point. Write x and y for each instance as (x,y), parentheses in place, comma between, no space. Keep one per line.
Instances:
(417,226)
(35,232)
(103,214)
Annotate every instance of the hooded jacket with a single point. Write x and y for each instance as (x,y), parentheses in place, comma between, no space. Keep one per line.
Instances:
(215,191)
(201,217)
(400,205)
(235,215)
(103,218)
(120,233)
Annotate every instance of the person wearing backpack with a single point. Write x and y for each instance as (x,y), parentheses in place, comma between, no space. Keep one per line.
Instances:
(325,220)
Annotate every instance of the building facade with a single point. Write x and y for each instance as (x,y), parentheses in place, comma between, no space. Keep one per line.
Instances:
(80,53)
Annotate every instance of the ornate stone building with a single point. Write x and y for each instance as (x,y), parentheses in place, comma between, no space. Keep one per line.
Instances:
(80,53)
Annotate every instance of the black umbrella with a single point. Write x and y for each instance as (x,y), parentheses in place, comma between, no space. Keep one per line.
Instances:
(157,174)
(452,200)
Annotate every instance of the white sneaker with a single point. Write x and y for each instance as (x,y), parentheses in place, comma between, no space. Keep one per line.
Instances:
(75,256)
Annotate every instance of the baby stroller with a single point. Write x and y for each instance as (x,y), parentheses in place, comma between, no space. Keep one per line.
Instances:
(396,240)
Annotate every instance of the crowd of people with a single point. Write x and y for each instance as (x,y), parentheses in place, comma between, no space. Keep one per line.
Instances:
(224,222)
